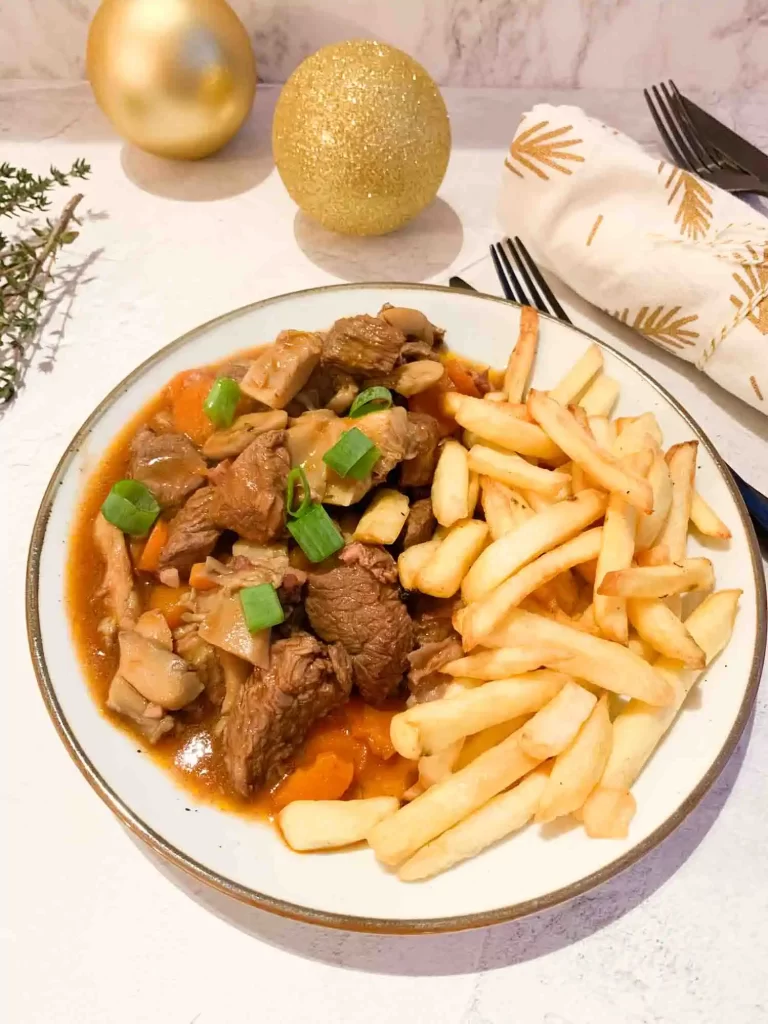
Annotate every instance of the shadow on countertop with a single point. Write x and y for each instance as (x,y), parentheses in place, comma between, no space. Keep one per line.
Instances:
(484,949)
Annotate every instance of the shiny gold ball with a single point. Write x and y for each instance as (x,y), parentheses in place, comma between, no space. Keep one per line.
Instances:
(361,137)
(175,77)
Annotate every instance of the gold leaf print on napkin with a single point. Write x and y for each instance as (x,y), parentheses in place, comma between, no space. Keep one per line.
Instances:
(756,387)
(694,210)
(536,146)
(661,326)
(752,282)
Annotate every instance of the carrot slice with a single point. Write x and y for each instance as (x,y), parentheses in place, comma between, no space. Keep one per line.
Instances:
(150,556)
(327,778)
(199,579)
(372,726)
(461,378)
(390,778)
(171,601)
(188,391)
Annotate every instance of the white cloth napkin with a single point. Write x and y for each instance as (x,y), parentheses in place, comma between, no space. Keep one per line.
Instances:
(684,263)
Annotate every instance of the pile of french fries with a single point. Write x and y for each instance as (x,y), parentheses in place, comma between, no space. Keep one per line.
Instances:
(562,539)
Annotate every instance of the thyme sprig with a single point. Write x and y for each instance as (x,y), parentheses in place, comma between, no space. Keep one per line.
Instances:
(27,258)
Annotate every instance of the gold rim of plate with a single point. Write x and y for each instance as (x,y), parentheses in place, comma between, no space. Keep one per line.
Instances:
(386,926)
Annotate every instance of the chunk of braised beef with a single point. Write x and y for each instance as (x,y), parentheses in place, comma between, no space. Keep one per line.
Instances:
(357,603)
(250,493)
(192,533)
(362,345)
(421,523)
(275,708)
(168,464)
(432,618)
(421,450)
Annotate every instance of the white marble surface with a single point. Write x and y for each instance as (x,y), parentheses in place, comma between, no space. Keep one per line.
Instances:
(94,929)
(559,43)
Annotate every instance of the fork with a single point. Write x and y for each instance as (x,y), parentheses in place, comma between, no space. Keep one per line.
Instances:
(527,286)
(689,149)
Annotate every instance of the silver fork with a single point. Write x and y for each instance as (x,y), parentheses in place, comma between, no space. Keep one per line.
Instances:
(526,283)
(689,149)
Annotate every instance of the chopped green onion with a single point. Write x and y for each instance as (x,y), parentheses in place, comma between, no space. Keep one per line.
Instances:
(365,464)
(315,534)
(297,474)
(261,607)
(371,400)
(131,507)
(354,454)
(222,401)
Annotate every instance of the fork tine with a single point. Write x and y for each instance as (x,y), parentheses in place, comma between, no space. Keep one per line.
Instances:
(676,154)
(518,292)
(686,132)
(505,286)
(537,275)
(714,155)
(533,297)
(707,153)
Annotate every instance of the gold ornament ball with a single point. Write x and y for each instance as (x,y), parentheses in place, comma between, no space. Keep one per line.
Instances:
(361,137)
(175,77)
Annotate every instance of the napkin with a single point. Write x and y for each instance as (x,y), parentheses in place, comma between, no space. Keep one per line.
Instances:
(667,254)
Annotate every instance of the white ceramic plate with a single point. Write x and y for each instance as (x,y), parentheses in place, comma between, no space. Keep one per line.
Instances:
(528,872)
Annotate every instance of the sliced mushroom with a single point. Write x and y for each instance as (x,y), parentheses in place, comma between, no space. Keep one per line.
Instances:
(412,378)
(153,626)
(158,674)
(117,586)
(150,718)
(224,627)
(225,444)
(411,322)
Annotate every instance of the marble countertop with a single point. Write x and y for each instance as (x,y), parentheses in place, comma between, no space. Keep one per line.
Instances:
(94,928)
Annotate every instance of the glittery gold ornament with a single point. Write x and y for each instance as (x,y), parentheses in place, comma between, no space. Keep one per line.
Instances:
(361,137)
(175,77)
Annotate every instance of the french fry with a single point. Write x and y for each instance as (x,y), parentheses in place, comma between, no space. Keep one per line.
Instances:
(556,725)
(578,377)
(618,545)
(496,396)
(607,813)
(681,459)
(460,685)
(396,838)
(450,484)
(638,730)
(539,502)
(598,661)
(576,442)
(429,728)
(580,416)
(503,508)
(662,629)
(501,816)
(473,492)
(514,471)
(706,520)
(542,532)
(660,580)
(635,435)
(482,617)
(411,561)
(435,767)
(479,742)
(499,424)
(447,567)
(578,769)
(327,824)
(384,518)
(523,354)
(641,647)
(657,555)
(600,397)
(498,664)
(603,430)
(566,591)
(649,527)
